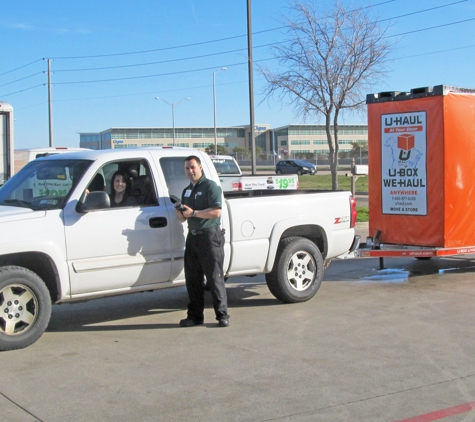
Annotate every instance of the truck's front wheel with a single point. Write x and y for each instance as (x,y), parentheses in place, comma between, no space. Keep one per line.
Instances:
(25,308)
(298,270)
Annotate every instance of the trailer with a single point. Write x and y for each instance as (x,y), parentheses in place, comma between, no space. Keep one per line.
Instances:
(374,248)
(421,148)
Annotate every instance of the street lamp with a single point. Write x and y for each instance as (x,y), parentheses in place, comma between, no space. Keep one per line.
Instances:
(172,105)
(214,106)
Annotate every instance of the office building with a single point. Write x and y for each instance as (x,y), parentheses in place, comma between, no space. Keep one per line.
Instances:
(292,140)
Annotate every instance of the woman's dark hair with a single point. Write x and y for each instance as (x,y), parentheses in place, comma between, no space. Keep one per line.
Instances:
(126,179)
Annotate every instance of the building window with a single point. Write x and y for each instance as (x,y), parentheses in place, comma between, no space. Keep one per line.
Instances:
(201,144)
(125,146)
(299,142)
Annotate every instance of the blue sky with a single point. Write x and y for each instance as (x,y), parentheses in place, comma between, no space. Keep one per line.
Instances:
(110,59)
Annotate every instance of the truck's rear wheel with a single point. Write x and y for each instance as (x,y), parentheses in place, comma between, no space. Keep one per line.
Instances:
(298,270)
(25,308)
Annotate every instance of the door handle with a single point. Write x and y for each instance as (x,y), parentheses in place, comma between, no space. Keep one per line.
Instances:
(157,222)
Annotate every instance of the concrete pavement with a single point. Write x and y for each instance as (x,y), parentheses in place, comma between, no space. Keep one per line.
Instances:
(370,346)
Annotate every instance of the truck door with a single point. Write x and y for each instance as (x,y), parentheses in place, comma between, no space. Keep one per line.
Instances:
(121,247)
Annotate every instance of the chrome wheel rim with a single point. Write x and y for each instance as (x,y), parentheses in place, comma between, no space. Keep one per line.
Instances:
(301,271)
(18,309)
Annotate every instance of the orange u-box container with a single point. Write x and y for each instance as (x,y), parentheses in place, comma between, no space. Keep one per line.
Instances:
(422,166)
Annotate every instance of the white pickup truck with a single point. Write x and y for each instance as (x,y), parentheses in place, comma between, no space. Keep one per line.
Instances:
(60,241)
(232,179)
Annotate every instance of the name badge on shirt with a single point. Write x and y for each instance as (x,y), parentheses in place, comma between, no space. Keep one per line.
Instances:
(187,193)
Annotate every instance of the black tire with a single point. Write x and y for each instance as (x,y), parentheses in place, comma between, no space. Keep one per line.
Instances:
(299,172)
(25,308)
(298,270)
(278,171)
(423,258)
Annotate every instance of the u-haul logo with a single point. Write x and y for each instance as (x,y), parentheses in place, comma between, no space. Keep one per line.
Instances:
(404,163)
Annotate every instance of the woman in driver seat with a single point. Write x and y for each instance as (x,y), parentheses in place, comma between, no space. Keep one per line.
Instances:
(120,191)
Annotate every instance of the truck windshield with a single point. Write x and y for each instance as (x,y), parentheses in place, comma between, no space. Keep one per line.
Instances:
(226,166)
(43,184)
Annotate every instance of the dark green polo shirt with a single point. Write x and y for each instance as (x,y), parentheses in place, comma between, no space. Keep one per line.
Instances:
(205,194)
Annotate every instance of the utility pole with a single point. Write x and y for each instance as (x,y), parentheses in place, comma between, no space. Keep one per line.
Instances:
(214,108)
(172,105)
(251,87)
(50,105)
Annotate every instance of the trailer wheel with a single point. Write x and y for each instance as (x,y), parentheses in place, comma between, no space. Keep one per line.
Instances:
(298,270)
(25,308)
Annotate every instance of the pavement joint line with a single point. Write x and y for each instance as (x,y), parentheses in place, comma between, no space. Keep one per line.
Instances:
(20,407)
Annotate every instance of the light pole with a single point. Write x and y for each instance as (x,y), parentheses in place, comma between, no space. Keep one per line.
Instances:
(214,107)
(172,105)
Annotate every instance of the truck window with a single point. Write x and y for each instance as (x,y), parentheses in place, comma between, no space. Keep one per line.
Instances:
(43,185)
(174,173)
(140,183)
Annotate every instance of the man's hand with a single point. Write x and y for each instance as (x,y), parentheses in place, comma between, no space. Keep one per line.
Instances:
(183,215)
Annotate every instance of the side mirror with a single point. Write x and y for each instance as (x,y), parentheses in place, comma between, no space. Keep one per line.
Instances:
(94,201)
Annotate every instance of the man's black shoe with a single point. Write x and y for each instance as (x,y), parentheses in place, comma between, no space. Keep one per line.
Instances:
(188,322)
(224,322)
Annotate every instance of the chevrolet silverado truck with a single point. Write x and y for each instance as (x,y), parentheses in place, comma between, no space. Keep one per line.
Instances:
(61,241)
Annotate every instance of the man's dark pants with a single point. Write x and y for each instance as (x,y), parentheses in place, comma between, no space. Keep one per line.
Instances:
(204,256)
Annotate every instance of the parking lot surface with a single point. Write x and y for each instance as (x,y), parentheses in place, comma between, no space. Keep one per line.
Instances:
(372,345)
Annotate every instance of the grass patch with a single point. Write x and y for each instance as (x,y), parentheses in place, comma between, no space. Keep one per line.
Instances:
(324,182)
(363,215)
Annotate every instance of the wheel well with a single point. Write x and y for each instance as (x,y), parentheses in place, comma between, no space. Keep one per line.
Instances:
(314,233)
(40,264)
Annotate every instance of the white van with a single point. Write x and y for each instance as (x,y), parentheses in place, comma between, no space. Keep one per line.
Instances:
(24,156)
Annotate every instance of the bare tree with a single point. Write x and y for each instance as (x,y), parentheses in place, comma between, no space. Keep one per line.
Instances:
(330,60)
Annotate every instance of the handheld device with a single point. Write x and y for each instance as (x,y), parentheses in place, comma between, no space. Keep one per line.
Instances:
(179,206)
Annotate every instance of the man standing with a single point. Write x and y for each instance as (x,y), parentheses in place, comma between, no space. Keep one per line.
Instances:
(204,251)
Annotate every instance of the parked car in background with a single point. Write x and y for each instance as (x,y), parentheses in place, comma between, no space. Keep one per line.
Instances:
(295,167)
